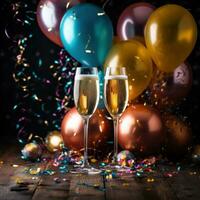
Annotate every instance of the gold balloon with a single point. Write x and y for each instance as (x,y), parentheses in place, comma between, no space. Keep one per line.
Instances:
(135,58)
(170,36)
(140,39)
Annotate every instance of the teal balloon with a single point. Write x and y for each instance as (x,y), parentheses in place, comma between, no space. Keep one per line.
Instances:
(86,33)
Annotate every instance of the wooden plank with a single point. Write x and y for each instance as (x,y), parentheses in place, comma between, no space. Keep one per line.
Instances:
(15,183)
(186,185)
(139,188)
(86,187)
(48,188)
(12,181)
(46,193)
(122,189)
(6,168)
(69,186)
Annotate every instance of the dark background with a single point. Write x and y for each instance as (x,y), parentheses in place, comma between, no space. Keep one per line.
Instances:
(42,47)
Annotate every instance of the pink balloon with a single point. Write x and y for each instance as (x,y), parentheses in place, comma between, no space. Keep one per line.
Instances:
(49,15)
(133,19)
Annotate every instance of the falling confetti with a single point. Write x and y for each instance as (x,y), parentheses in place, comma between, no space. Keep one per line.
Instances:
(44,110)
(44,93)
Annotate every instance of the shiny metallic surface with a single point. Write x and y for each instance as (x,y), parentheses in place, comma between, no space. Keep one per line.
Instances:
(100,129)
(86,33)
(141,130)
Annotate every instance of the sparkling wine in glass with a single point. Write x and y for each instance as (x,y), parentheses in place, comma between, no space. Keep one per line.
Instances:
(86,98)
(116,98)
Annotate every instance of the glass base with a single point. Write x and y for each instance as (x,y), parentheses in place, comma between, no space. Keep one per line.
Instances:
(114,166)
(85,170)
(114,163)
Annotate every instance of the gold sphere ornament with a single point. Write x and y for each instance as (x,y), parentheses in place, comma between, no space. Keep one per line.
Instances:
(31,151)
(54,141)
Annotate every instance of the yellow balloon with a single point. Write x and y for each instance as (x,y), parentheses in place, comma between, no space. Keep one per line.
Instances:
(135,58)
(170,36)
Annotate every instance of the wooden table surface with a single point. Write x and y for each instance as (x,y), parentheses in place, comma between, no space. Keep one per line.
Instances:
(184,185)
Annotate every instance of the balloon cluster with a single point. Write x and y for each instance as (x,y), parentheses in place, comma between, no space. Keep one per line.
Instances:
(142,129)
(144,34)
(152,48)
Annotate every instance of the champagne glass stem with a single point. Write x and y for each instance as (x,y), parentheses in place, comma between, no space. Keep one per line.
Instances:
(116,122)
(85,159)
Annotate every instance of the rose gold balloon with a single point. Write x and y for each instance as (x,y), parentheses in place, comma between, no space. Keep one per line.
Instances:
(133,19)
(49,15)
(100,129)
(167,89)
(141,130)
(178,138)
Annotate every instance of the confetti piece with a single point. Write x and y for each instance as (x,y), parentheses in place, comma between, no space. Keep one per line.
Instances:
(57,180)
(48,172)
(34,178)
(150,180)
(34,171)
(168,175)
(125,184)
(15,165)
(193,173)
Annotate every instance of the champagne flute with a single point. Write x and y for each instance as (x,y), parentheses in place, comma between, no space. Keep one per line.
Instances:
(116,99)
(86,98)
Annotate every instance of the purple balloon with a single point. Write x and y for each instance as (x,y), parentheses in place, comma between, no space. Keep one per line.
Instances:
(168,89)
(133,19)
(49,15)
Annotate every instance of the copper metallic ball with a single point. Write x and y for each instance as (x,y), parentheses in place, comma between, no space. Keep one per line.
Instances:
(141,130)
(100,129)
